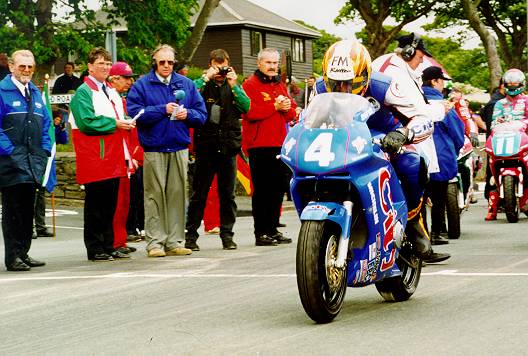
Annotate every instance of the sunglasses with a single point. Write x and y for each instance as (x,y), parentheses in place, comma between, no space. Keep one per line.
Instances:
(163,62)
(25,66)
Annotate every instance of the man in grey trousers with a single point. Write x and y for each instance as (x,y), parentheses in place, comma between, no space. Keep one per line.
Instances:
(171,104)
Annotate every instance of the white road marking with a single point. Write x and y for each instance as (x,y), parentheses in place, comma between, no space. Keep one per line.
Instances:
(147,275)
(452,273)
(69,227)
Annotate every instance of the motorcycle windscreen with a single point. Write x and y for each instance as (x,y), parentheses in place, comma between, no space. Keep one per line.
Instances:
(506,143)
(331,134)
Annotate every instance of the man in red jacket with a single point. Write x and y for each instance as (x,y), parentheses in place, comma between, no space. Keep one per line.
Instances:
(264,128)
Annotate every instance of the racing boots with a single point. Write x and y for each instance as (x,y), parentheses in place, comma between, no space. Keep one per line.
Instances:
(493,205)
(417,235)
(523,201)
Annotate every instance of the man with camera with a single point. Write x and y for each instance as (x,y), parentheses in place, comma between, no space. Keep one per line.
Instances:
(216,145)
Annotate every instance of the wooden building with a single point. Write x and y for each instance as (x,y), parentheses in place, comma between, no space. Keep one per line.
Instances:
(243,29)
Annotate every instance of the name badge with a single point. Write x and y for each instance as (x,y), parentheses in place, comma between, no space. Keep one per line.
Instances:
(16,103)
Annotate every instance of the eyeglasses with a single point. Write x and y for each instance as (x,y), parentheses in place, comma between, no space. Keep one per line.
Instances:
(103,64)
(163,62)
(25,67)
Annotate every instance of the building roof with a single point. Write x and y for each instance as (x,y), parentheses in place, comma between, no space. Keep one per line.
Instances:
(246,13)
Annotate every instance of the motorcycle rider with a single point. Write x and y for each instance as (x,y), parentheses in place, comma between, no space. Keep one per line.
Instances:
(511,108)
(347,68)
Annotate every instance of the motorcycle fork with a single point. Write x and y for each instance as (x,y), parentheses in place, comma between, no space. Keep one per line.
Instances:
(520,185)
(342,248)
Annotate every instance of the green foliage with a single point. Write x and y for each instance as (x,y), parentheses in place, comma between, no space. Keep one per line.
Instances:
(195,72)
(28,25)
(317,66)
(464,66)
(319,45)
(506,18)
(151,23)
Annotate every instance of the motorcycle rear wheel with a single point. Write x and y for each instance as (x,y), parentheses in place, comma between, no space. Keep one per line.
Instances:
(321,286)
(511,208)
(401,288)
(453,211)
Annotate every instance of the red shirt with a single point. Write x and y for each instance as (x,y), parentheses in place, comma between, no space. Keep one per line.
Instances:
(263,125)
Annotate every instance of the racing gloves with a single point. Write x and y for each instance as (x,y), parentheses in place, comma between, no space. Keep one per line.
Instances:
(474,139)
(394,140)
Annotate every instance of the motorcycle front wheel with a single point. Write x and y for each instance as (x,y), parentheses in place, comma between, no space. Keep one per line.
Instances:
(321,285)
(401,288)
(511,208)
(453,211)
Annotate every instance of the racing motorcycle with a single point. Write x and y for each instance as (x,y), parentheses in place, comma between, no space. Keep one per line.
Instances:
(351,206)
(460,189)
(507,148)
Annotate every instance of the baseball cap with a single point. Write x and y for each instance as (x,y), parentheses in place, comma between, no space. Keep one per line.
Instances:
(407,40)
(433,72)
(122,69)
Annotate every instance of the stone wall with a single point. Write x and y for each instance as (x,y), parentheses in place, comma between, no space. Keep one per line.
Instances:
(67,189)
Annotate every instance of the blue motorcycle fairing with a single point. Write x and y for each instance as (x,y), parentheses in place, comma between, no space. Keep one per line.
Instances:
(384,205)
(332,147)
(323,151)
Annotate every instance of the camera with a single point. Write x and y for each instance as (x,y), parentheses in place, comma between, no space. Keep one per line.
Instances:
(224,70)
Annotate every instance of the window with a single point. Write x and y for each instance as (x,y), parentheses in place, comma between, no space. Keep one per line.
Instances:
(298,54)
(256,42)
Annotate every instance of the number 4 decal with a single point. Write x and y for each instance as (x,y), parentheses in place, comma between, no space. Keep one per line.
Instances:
(320,150)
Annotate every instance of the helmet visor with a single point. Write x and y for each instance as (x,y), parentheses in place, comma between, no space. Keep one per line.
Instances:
(354,86)
(514,88)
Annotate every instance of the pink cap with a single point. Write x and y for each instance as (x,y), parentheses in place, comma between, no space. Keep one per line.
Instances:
(121,68)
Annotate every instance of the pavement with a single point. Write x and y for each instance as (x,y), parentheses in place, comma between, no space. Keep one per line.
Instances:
(244,205)
(246,301)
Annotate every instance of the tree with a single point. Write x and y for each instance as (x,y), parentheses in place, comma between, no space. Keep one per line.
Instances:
(375,12)
(464,66)
(508,20)
(470,9)
(153,22)
(29,24)
(192,43)
(493,20)
(33,24)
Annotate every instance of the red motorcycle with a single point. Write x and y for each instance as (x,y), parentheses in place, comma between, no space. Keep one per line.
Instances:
(507,148)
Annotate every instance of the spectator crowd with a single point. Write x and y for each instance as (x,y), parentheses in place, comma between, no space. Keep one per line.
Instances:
(138,139)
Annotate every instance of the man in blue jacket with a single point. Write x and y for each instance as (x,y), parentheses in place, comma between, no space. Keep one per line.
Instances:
(25,146)
(171,104)
(448,137)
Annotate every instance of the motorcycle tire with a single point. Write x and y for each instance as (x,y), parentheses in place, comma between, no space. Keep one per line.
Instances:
(321,286)
(511,208)
(401,288)
(453,211)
